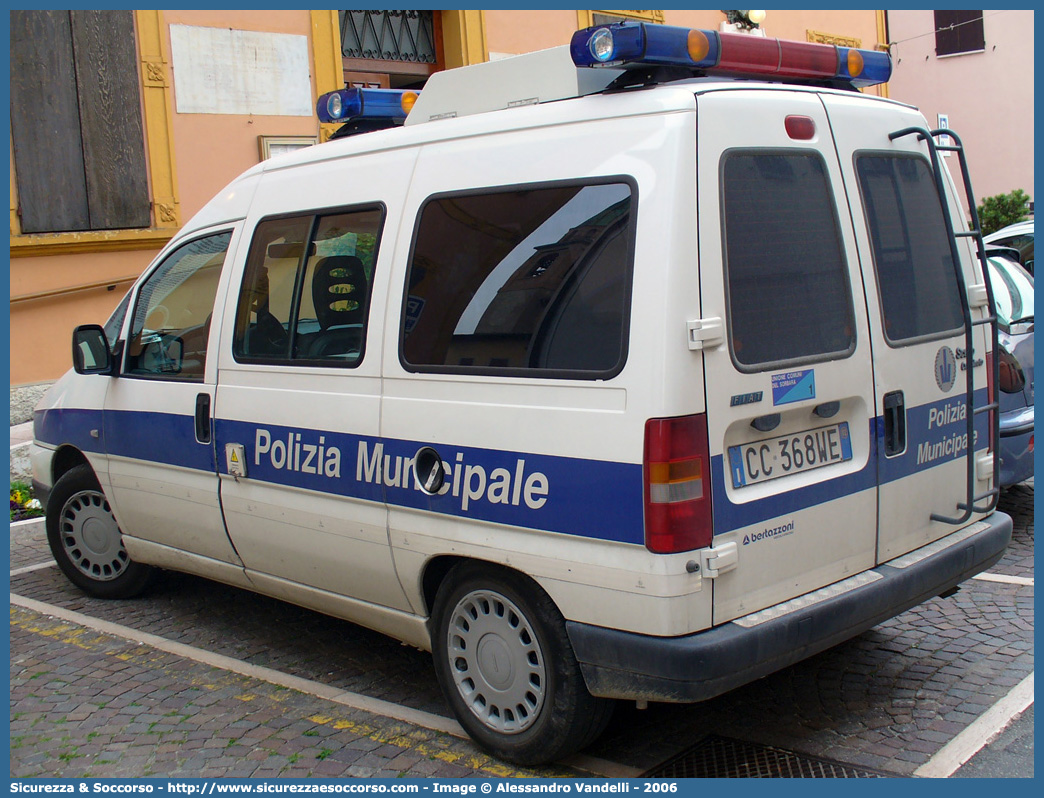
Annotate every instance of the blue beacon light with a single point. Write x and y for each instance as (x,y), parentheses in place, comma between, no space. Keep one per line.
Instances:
(346,105)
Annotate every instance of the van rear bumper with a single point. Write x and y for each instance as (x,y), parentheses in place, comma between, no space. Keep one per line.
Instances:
(700,666)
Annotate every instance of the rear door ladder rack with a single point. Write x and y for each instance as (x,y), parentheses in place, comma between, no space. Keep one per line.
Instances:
(991,408)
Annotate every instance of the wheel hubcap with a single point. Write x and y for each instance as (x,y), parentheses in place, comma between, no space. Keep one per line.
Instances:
(496,661)
(91,537)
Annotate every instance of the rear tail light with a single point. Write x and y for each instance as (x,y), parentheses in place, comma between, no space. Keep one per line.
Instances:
(1012,378)
(677,484)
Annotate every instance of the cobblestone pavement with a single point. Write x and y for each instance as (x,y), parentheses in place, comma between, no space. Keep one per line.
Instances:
(88,705)
(84,703)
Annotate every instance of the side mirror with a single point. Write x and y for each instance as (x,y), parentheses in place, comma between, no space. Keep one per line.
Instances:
(90,350)
(430,470)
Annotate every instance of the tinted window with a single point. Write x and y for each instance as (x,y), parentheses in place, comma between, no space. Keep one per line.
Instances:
(171,324)
(526,280)
(789,297)
(306,289)
(916,279)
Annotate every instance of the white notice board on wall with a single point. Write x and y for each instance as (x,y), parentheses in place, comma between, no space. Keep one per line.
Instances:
(223,71)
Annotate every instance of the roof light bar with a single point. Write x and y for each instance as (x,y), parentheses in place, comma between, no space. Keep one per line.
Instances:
(348,104)
(638,45)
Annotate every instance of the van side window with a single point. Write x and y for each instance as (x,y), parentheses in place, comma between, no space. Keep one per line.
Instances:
(306,290)
(915,275)
(789,294)
(171,323)
(532,280)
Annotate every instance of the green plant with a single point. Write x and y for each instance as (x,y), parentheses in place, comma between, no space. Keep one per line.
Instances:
(1003,209)
(23,504)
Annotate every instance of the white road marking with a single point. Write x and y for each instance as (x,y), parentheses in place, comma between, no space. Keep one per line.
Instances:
(30,568)
(978,735)
(1005,579)
(21,525)
(377,706)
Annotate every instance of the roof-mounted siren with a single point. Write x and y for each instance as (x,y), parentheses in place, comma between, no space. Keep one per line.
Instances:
(637,46)
(364,110)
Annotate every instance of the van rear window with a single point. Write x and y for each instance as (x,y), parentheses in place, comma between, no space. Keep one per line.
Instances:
(915,274)
(789,294)
(531,280)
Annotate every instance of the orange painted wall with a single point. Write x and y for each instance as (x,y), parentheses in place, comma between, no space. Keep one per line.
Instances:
(516,32)
(988,95)
(211,149)
(41,329)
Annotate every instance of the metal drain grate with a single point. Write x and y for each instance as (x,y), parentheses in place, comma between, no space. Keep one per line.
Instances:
(723,758)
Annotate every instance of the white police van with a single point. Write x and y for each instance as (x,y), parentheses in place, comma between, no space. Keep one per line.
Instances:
(637,369)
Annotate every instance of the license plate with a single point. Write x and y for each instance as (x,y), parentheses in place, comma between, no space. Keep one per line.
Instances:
(772,458)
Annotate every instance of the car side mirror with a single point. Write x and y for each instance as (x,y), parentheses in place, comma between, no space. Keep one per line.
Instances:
(90,351)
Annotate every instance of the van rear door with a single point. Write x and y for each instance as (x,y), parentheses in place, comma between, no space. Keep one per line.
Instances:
(790,392)
(916,321)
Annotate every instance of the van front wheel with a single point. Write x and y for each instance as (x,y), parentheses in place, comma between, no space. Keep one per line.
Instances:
(507,668)
(86,540)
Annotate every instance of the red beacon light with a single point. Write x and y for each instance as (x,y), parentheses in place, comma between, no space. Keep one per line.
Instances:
(639,45)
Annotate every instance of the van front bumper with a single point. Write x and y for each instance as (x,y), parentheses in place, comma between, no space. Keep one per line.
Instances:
(706,664)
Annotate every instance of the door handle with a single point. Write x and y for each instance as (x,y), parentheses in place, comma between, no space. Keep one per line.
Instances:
(203,418)
(894,404)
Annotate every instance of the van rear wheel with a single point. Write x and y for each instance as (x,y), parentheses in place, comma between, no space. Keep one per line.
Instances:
(506,666)
(86,540)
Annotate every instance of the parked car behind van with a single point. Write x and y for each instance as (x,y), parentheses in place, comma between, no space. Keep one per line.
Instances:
(1013,291)
(1018,236)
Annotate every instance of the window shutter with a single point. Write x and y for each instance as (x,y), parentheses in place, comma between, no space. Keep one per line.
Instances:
(45,125)
(958,32)
(110,119)
(76,121)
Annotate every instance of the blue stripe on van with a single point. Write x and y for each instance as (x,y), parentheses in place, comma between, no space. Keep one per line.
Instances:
(160,437)
(68,426)
(729,516)
(589,498)
(167,438)
(934,434)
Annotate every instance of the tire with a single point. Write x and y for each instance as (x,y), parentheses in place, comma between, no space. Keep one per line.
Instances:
(86,540)
(507,668)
